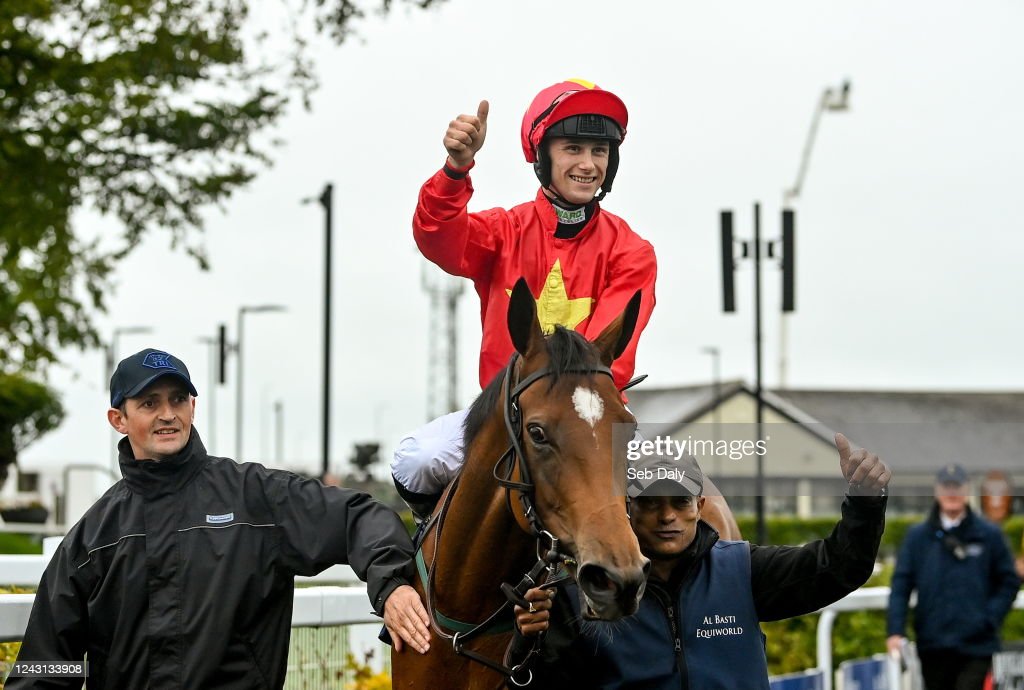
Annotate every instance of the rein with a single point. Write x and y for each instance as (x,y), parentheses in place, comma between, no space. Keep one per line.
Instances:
(528,520)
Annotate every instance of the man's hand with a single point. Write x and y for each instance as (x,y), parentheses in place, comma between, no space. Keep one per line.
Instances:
(406,619)
(894,643)
(466,135)
(534,620)
(863,470)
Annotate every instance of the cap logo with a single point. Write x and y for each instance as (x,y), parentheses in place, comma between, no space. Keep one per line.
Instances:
(158,360)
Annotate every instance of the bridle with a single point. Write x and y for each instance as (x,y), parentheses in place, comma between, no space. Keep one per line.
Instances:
(547,558)
(515,457)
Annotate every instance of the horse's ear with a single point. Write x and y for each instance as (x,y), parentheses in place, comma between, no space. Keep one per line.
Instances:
(522,319)
(616,336)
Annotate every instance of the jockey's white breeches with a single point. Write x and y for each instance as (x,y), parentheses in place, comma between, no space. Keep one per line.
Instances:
(429,458)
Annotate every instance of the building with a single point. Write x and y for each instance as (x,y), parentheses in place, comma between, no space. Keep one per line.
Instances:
(915,432)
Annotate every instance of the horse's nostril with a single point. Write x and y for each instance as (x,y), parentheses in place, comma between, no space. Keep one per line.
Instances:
(597,581)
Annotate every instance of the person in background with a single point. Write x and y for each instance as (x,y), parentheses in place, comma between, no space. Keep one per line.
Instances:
(962,570)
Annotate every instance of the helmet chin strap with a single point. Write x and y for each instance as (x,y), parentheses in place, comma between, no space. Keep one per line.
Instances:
(549,189)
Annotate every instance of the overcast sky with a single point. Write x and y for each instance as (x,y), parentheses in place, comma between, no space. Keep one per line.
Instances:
(909,222)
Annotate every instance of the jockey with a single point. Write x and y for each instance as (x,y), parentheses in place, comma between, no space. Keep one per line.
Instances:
(581,262)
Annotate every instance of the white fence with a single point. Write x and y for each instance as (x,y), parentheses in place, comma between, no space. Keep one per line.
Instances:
(865,598)
(330,606)
(314,606)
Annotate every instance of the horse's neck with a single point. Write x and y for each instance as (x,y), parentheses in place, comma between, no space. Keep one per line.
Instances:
(481,544)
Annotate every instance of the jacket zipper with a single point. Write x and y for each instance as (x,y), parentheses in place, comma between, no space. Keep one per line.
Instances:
(673,624)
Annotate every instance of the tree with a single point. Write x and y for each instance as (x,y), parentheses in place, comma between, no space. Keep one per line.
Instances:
(27,411)
(146,110)
(364,457)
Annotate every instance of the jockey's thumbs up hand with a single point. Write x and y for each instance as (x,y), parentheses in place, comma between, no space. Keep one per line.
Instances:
(465,136)
(865,472)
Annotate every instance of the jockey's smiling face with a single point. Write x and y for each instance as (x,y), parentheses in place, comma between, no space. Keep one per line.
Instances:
(665,525)
(578,167)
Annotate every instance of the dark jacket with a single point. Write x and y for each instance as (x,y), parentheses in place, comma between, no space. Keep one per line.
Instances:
(965,582)
(181,575)
(784,581)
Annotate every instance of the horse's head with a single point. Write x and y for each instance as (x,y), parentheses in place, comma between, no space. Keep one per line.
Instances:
(565,429)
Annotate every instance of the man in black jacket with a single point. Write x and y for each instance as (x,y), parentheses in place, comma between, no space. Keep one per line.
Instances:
(181,575)
(698,622)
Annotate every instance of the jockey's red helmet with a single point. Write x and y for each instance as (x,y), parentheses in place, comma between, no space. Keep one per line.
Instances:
(573,108)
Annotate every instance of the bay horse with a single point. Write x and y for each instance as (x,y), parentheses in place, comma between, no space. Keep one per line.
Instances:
(543,430)
(718,514)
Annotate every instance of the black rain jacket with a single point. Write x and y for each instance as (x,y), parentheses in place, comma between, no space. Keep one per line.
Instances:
(181,575)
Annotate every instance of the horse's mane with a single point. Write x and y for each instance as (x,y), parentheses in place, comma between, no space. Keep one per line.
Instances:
(567,350)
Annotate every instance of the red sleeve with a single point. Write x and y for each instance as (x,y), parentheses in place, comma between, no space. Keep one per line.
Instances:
(635,269)
(461,243)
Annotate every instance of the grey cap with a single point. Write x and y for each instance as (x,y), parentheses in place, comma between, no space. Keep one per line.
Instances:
(951,474)
(664,476)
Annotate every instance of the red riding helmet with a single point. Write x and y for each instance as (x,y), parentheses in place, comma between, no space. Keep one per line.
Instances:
(573,108)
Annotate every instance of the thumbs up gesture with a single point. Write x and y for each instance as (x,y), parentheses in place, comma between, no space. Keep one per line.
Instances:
(466,135)
(865,472)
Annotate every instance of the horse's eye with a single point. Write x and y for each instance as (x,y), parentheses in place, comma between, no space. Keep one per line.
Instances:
(536,433)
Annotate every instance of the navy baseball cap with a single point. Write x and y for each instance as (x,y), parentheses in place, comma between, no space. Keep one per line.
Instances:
(951,474)
(665,476)
(134,373)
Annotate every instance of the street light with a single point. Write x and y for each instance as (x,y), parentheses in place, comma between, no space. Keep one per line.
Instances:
(111,362)
(112,347)
(326,200)
(716,387)
(242,311)
(831,100)
(214,349)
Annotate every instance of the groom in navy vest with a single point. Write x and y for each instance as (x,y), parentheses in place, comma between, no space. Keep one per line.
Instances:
(698,622)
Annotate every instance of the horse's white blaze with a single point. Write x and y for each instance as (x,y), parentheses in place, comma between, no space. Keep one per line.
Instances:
(588,404)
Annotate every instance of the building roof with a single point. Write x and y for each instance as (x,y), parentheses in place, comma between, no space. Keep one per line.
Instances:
(916,431)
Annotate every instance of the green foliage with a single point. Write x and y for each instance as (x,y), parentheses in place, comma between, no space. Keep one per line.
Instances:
(364,457)
(1013,528)
(19,544)
(147,111)
(785,529)
(27,411)
(1013,627)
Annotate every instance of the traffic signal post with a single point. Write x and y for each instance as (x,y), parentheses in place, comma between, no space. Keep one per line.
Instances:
(752,250)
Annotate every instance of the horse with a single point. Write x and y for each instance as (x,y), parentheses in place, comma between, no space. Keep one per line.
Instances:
(543,429)
(718,514)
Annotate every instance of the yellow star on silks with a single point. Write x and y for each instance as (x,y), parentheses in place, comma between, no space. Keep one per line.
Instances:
(554,308)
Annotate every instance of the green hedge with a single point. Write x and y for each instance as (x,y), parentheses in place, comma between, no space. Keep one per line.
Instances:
(793,530)
(20,543)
